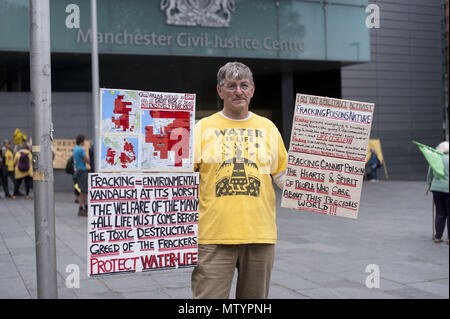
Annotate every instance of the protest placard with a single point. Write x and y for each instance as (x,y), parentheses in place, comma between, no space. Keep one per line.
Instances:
(327,155)
(63,149)
(141,222)
(146,131)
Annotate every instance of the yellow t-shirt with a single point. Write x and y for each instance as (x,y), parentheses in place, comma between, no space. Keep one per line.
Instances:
(236,160)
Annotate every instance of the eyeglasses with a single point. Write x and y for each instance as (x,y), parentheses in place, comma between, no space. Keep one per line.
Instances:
(244,87)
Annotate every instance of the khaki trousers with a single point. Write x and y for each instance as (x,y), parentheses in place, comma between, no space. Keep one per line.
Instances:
(213,276)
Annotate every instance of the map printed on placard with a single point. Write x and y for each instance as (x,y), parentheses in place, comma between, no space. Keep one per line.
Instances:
(119,152)
(120,111)
(166,138)
(146,131)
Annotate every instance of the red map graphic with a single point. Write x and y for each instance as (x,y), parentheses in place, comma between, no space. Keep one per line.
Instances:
(110,154)
(163,142)
(123,120)
(126,156)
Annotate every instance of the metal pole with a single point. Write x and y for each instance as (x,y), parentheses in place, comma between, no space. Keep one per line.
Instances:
(95,82)
(44,205)
(287,105)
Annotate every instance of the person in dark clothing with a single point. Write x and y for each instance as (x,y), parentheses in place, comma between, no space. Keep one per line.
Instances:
(440,189)
(374,163)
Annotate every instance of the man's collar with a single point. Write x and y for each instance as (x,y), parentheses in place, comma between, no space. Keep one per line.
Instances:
(250,114)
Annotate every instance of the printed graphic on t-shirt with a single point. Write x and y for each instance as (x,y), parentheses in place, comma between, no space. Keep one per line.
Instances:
(238,175)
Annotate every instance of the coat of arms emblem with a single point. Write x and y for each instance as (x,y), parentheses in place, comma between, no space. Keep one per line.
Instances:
(205,13)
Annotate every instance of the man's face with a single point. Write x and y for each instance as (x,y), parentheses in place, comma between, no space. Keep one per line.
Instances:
(236,94)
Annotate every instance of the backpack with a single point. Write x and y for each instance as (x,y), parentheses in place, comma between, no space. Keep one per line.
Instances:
(24,162)
(69,166)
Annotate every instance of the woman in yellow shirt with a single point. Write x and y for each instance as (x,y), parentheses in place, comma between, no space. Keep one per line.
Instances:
(23,170)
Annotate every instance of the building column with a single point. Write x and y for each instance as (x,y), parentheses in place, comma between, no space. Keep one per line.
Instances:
(287,105)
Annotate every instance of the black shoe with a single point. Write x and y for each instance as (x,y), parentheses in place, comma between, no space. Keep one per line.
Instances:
(82,212)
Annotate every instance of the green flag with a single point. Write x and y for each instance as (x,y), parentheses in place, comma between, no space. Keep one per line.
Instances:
(434,159)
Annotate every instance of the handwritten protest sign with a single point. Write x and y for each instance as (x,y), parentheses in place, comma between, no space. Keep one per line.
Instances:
(146,131)
(141,222)
(327,155)
(63,148)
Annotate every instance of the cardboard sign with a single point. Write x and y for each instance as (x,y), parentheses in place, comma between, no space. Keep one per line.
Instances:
(146,131)
(327,155)
(141,222)
(63,150)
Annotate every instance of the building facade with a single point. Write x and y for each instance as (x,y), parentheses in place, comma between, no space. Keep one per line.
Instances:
(336,48)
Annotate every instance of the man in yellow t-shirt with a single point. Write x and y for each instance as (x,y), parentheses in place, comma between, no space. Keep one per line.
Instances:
(238,154)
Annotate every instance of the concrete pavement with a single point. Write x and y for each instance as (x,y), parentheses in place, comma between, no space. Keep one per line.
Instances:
(316,256)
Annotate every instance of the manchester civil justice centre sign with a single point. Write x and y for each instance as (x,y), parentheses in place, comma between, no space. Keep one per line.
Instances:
(306,30)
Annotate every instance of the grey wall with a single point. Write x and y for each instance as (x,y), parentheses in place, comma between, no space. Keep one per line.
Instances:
(71,113)
(404,80)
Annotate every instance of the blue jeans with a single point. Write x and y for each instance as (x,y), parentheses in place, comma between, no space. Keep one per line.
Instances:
(373,172)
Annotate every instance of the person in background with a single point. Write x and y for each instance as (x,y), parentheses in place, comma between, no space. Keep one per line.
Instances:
(439,188)
(23,170)
(8,162)
(80,175)
(91,158)
(374,163)
(2,169)
(30,148)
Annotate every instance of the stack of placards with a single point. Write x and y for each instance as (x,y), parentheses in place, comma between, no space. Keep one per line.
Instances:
(326,158)
(143,202)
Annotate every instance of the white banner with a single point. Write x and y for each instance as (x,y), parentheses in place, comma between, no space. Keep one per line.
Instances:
(142,222)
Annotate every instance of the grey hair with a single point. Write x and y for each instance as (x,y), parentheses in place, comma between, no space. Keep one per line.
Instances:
(234,70)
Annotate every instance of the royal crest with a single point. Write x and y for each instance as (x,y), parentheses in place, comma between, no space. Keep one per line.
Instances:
(205,13)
